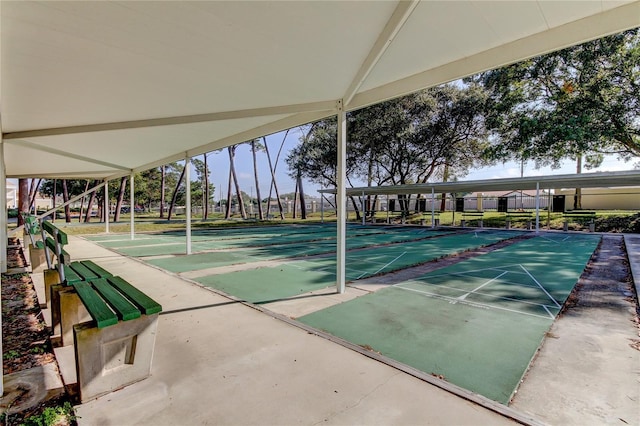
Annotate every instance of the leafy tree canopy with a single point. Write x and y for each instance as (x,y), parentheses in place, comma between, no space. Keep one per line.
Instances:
(580,100)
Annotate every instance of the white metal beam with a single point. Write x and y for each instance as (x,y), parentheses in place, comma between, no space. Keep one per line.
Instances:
(66,154)
(394,24)
(187,176)
(169,121)
(131,207)
(266,129)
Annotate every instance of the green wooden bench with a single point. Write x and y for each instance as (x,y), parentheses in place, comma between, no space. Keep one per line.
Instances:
(115,347)
(468,216)
(581,217)
(111,323)
(36,246)
(511,216)
(433,217)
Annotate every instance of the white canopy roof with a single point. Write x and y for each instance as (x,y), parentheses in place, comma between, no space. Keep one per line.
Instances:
(102,89)
(582,180)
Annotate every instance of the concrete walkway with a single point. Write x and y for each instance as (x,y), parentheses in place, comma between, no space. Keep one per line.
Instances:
(221,362)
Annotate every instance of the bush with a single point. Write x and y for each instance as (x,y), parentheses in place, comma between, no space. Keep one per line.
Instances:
(621,224)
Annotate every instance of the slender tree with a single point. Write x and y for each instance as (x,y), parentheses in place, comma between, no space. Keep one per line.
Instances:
(174,197)
(232,152)
(254,146)
(272,169)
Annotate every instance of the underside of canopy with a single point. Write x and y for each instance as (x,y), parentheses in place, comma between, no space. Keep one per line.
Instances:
(104,89)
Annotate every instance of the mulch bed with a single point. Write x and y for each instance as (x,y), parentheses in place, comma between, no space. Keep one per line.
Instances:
(25,338)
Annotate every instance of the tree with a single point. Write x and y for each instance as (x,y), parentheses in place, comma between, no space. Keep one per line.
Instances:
(174,197)
(232,170)
(254,146)
(582,100)
(272,169)
(401,141)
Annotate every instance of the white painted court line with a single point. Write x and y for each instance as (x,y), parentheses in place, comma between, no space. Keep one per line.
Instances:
(510,299)
(497,268)
(364,273)
(453,300)
(464,296)
(542,288)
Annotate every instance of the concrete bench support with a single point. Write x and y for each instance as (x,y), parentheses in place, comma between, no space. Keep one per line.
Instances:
(71,312)
(110,358)
(36,257)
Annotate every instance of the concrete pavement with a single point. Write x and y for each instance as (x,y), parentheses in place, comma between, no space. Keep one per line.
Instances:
(218,361)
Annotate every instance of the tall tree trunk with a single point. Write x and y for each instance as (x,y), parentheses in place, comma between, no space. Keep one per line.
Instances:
(273,177)
(577,198)
(86,188)
(120,199)
(295,201)
(65,198)
(174,197)
(445,177)
(206,188)
(255,175)
(232,152)
(227,214)
(355,207)
(23,199)
(33,193)
(92,199)
(163,175)
(303,205)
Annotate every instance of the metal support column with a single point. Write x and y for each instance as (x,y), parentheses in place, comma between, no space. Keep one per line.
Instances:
(341,196)
(537,207)
(187,176)
(107,206)
(433,208)
(363,209)
(131,206)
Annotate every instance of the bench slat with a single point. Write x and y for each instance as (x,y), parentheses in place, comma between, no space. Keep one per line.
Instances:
(70,276)
(146,304)
(51,229)
(123,308)
(98,309)
(99,271)
(84,272)
(51,245)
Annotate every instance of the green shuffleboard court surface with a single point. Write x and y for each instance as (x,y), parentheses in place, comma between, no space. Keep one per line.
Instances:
(478,323)
(273,283)
(321,237)
(216,259)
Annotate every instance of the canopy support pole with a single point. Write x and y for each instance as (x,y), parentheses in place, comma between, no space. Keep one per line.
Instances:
(433,208)
(131,206)
(341,195)
(187,176)
(537,207)
(364,210)
(107,206)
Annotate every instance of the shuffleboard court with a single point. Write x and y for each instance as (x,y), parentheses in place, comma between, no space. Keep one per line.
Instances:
(477,323)
(272,283)
(213,259)
(174,244)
